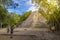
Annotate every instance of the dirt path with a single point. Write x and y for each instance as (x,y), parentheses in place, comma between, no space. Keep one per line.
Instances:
(30,35)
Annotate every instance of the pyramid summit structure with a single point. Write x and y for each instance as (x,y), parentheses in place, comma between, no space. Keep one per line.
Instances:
(35,20)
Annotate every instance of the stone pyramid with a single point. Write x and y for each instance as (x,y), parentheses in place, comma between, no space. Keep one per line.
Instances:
(35,20)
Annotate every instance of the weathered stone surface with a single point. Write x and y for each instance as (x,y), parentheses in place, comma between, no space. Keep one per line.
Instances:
(34,20)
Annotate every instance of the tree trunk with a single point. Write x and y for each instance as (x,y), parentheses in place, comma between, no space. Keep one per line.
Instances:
(1,25)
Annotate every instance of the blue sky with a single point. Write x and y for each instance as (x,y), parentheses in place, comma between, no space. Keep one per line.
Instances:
(24,5)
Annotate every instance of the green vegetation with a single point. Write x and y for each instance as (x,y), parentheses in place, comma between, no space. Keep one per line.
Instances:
(10,19)
(50,9)
(25,16)
(13,18)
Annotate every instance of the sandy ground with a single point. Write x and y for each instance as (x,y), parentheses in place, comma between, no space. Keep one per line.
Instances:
(29,34)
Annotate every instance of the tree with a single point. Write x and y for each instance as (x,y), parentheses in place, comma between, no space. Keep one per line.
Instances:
(25,15)
(50,10)
(3,11)
(3,14)
(12,19)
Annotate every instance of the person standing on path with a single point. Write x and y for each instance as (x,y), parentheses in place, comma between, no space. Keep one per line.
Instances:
(11,32)
(8,29)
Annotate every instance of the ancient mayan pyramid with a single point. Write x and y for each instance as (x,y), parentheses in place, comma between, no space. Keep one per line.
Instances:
(35,20)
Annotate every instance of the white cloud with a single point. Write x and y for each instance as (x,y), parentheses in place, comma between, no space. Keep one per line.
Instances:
(32,8)
(10,10)
(28,3)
